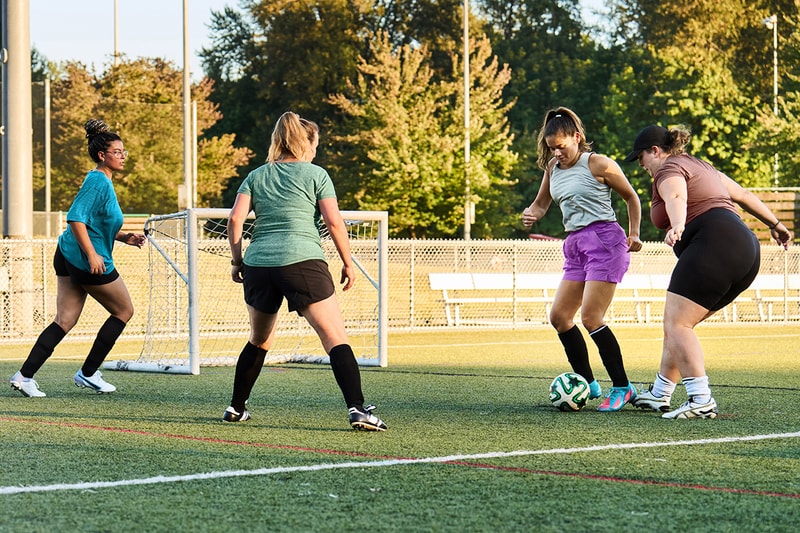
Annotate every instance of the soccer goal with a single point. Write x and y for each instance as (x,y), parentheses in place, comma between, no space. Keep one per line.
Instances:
(197,316)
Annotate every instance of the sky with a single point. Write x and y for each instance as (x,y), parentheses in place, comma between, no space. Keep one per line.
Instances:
(83,30)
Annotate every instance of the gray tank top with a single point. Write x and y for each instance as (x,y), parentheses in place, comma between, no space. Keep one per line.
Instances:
(581,198)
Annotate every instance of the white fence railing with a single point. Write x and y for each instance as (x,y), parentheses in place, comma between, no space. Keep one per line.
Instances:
(511,286)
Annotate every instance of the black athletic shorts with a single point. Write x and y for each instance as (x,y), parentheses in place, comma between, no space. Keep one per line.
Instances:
(64,268)
(718,258)
(302,284)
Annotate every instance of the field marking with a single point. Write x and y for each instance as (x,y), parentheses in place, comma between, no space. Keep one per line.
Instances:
(455,459)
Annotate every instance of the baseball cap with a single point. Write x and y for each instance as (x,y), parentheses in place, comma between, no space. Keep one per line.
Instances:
(650,136)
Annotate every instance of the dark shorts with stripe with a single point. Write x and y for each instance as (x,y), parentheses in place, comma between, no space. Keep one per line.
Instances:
(64,268)
(718,258)
(302,284)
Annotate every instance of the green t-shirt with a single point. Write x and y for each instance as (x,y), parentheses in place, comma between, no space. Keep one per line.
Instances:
(284,198)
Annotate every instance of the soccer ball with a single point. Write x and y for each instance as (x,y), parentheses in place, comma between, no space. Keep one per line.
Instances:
(569,391)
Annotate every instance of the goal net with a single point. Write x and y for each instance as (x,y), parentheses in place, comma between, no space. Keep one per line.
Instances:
(197,315)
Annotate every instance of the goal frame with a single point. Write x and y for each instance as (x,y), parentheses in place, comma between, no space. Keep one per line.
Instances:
(192,275)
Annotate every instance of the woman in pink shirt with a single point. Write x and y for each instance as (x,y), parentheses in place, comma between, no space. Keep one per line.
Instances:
(718,258)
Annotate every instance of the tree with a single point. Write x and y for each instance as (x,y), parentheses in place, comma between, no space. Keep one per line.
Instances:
(142,101)
(403,150)
(554,63)
(282,55)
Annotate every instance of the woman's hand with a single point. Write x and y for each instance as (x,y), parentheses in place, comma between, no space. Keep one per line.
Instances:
(674,234)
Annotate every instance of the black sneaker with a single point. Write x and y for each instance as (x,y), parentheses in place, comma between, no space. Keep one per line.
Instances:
(364,419)
(232,415)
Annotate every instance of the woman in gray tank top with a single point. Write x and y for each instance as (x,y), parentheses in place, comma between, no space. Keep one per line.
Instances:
(596,250)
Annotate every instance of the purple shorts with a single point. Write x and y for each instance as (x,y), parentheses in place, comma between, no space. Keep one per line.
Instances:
(598,252)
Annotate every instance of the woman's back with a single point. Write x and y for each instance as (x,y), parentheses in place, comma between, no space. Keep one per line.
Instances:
(284,198)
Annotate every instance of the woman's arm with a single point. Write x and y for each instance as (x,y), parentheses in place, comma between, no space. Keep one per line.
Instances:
(97,265)
(607,171)
(329,208)
(753,205)
(674,193)
(534,213)
(241,208)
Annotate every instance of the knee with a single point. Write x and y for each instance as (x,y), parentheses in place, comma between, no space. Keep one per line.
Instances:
(560,322)
(125,315)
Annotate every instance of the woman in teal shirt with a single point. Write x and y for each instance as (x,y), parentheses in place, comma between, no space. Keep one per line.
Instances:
(84,266)
(289,195)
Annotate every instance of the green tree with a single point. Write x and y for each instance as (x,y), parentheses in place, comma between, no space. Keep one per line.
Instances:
(554,63)
(404,143)
(707,64)
(281,55)
(142,101)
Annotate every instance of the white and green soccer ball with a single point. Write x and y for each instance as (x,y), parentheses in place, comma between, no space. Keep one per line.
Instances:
(569,391)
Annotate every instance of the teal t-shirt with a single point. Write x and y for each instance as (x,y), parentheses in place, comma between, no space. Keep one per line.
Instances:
(96,206)
(284,198)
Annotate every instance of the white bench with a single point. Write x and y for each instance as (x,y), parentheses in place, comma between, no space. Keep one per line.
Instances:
(461,288)
(769,291)
(452,283)
(641,290)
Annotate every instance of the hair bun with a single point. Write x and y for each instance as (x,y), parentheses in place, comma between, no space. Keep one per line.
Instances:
(95,127)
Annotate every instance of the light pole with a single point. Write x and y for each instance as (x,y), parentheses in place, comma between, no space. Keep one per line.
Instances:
(771,23)
(467,192)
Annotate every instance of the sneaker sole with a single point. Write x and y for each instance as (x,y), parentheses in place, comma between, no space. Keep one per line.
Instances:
(19,389)
(240,419)
(98,391)
(687,415)
(364,426)
(645,406)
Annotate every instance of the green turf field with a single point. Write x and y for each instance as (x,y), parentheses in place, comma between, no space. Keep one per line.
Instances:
(473,445)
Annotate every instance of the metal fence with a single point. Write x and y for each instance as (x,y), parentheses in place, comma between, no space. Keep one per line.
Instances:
(509,284)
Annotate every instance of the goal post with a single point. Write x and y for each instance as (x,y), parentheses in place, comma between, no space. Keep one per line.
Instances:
(197,316)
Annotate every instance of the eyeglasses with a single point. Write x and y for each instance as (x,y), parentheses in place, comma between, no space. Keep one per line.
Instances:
(118,153)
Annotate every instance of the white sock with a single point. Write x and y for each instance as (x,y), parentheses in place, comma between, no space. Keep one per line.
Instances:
(662,386)
(697,389)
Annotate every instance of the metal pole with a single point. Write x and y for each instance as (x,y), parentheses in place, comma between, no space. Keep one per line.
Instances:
(17,120)
(47,156)
(467,192)
(116,33)
(187,111)
(775,82)
(771,23)
(194,153)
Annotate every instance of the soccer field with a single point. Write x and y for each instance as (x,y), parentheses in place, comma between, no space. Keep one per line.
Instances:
(473,444)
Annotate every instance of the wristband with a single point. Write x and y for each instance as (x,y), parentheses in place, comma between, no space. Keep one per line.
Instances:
(237,263)
(775,225)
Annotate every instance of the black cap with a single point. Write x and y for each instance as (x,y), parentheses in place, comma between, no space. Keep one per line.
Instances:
(647,138)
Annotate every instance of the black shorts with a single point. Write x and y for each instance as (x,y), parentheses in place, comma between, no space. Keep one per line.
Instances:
(64,268)
(718,258)
(302,284)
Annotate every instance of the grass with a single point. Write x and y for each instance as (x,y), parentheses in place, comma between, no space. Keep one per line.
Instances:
(457,406)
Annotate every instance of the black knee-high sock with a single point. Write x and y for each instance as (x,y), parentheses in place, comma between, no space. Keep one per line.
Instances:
(348,377)
(611,354)
(45,344)
(105,340)
(577,353)
(248,368)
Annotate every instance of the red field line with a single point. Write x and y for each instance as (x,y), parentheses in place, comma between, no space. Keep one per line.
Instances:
(327,451)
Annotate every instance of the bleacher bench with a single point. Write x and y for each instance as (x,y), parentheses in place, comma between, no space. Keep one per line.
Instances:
(769,291)
(640,290)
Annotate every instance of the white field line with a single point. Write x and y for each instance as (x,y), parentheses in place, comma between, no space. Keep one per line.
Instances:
(382,463)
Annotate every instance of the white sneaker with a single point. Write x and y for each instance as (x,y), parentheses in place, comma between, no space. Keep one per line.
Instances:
(94,382)
(27,386)
(647,400)
(690,409)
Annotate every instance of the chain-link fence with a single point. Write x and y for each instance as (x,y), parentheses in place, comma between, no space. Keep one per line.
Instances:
(504,284)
